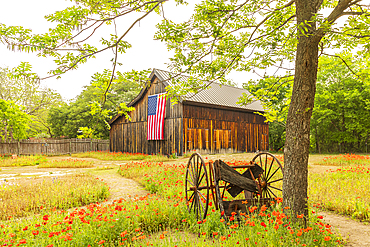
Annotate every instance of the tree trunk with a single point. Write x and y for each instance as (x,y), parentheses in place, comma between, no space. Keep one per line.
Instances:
(298,121)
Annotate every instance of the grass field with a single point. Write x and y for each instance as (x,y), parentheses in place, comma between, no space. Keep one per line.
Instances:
(343,189)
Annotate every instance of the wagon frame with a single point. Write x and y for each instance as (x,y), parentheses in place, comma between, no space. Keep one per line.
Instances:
(261,182)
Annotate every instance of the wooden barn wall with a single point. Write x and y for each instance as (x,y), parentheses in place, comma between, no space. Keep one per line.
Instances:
(211,130)
(131,136)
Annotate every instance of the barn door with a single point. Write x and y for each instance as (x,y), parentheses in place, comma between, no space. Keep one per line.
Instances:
(197,139)
(222,140)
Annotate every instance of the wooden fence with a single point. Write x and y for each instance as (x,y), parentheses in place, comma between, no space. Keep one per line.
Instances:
(53,147)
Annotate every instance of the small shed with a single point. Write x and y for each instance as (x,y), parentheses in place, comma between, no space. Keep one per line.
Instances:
(209,121)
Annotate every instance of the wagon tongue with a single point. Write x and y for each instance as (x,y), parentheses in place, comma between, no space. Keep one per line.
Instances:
(238,182)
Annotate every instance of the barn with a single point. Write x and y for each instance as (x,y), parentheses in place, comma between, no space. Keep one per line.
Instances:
(209,121)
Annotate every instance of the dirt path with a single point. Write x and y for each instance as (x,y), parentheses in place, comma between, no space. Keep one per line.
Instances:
(355,233)
(121,187)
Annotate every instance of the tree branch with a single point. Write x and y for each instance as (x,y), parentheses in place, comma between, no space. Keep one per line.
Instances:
(345,63)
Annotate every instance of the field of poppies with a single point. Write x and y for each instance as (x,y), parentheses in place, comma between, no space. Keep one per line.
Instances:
(344,190)
(161,219)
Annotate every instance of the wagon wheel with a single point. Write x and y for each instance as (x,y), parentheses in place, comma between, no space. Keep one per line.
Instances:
(212,184)
(219,196)
(197,186)
(271,180)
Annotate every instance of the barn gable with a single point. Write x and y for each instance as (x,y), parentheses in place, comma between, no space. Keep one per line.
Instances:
(209,121)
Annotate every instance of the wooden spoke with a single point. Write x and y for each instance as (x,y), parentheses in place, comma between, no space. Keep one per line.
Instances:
(277,180)
(268,189)
(273,174)
(268,173)
(190,182)
(275,188)
(265,167)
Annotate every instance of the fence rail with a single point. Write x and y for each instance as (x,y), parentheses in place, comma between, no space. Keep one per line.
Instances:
(51,147)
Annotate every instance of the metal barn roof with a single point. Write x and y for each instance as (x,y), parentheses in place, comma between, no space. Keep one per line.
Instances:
(216,94)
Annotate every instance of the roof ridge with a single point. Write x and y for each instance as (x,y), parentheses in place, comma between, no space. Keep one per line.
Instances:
(201,80)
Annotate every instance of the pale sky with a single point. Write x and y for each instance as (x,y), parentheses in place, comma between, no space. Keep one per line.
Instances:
(145,53)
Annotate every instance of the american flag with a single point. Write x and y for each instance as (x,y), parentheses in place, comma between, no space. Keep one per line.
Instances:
(156,113)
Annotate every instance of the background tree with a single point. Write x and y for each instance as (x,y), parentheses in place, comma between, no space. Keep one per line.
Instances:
(340,120)
(274,93)
(13,121)
(34,99)
(85,116)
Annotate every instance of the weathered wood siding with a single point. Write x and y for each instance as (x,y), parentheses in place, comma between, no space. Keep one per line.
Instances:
(212,130)
(53,147)
(131,136)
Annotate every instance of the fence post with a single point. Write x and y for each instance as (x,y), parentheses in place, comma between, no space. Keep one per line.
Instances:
(70,146)
(18,148)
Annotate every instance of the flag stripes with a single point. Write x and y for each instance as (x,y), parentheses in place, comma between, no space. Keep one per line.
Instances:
(156,113)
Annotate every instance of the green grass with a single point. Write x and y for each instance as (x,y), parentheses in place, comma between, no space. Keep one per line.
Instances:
(22,161)
(345,160)
(66,163)
(344,190)
(33,196)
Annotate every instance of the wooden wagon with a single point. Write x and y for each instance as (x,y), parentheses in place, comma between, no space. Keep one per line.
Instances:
(260,182)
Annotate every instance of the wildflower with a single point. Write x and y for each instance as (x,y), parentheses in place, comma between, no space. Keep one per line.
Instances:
(320,217)
(223,238)
(300,216)
(263,208)
(101,242)
(22,241)
(327,238)
(35,232)
(263,224)
(252,209)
